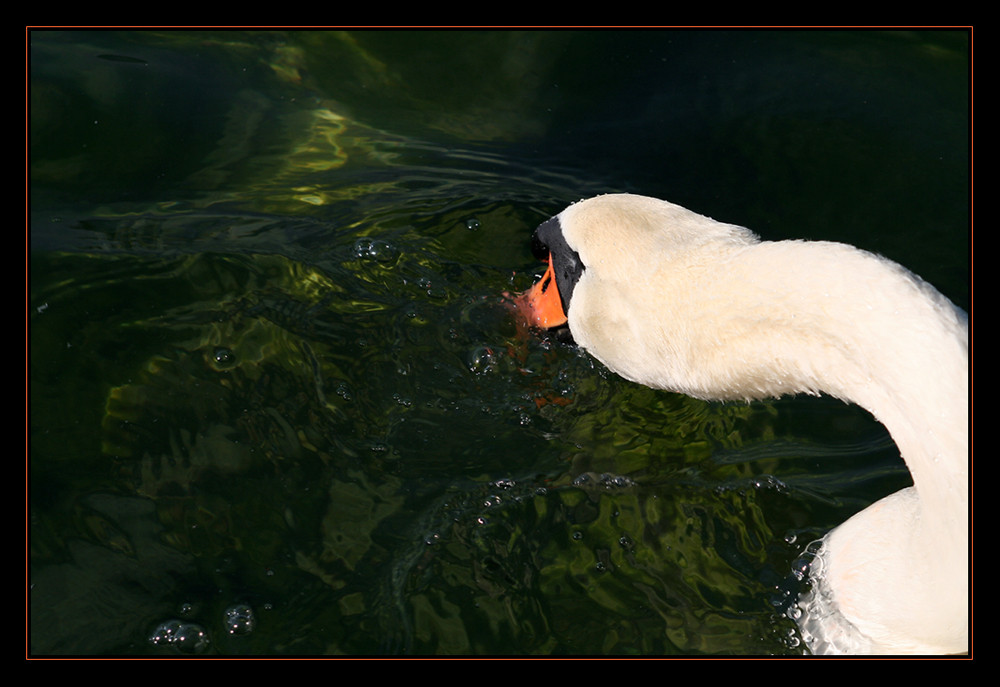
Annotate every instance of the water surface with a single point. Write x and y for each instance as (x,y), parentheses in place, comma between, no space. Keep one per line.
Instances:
(278,404)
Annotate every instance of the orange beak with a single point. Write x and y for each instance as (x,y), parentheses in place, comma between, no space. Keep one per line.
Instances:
(541,304)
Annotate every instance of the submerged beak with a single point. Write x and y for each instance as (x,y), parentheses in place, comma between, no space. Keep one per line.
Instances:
(541,304)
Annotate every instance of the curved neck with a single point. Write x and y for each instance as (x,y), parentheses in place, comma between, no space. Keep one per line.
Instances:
(744,320)
(850,324)
(863,329)
(721,316)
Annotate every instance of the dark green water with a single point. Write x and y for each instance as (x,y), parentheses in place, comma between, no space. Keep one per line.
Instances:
(275,391)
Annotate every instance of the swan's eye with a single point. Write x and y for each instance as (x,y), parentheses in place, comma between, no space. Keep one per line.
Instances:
(539,249)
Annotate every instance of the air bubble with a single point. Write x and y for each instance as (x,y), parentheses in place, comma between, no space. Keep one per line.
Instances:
(188,638)
(375,250)
(191,639)
(223,357)
(239,619)
(482,360)
(165,632)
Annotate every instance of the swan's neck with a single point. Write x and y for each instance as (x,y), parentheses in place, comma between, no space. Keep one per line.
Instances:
(897,572)
(768,319)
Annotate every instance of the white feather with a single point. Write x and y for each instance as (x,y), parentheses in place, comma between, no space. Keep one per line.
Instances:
(677,301)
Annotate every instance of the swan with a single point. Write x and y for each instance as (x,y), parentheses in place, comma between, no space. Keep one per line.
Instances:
(674,300)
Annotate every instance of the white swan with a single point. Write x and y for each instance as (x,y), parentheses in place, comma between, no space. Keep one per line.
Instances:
(674,300)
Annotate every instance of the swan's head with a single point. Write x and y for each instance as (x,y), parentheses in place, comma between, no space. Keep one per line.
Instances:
(618,269)
(674,300)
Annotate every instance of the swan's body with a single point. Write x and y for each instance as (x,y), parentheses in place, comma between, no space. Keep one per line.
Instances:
(677,301)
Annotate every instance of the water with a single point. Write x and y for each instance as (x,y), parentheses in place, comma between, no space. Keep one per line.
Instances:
(277,401)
